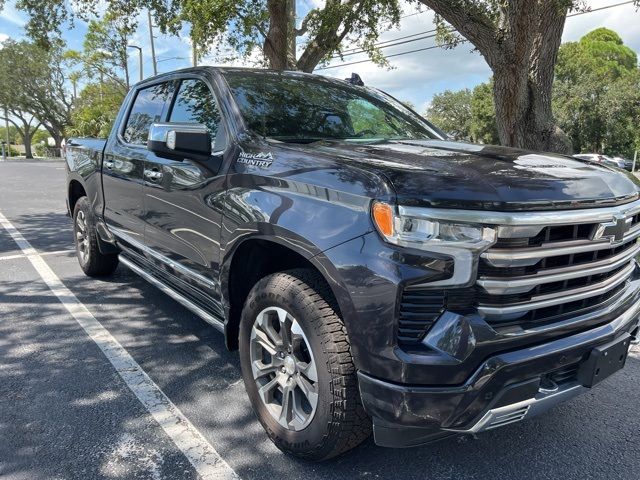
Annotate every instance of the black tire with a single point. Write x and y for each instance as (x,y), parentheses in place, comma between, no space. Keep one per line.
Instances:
(339,422)
(93,262)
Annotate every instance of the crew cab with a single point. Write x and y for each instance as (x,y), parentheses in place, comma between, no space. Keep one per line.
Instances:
(373,275)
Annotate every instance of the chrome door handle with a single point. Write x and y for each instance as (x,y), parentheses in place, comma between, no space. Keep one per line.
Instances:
(109,164)
(153,174)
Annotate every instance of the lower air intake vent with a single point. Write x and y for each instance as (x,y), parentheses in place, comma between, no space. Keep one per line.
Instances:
(418,310)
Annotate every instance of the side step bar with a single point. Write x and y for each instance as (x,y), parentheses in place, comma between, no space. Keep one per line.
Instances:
(214,321)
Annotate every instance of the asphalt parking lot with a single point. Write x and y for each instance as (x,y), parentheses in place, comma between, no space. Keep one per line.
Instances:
(67,413)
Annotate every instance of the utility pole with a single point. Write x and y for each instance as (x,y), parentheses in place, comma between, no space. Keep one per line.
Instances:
(153,48)
(6,124)
(140,59)
(635,158)
(291,7)
(194,52)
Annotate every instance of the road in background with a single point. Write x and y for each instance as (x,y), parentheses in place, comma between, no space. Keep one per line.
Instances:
(65,413)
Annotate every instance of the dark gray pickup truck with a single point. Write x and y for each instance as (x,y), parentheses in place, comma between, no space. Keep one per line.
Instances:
(372,274)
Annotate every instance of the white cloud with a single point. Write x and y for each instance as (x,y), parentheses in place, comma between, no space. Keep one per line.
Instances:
(3,37)
(11,15)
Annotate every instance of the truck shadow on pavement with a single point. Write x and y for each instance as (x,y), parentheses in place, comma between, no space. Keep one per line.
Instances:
(593,436)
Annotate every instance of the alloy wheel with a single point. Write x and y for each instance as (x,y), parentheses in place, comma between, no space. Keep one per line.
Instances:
(284,368)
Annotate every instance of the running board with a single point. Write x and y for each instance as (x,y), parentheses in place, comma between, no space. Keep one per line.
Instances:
(215,322)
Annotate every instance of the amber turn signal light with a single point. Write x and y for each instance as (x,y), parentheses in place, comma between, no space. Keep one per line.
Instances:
(383,218)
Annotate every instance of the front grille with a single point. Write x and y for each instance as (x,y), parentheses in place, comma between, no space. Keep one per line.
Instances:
(540,275)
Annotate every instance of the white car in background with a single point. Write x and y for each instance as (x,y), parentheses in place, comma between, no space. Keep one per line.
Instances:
(599,158)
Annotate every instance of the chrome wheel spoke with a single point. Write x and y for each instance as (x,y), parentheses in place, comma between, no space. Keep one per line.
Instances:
(266,391)
(265,341)
(308,389)
(286,413)
(283,368)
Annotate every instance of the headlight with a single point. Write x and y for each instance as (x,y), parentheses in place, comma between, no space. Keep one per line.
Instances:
(462,241)
(425,233)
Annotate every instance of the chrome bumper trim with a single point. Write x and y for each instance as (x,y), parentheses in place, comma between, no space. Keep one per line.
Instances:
(516,412)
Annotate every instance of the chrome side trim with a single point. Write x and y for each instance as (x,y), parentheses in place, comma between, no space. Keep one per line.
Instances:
(216,322)
(552,217)
(530,256)
(557,298)
(497,417)
(202,280)
(500,286)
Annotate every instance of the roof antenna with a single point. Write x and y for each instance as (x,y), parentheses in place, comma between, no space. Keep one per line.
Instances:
(355,80)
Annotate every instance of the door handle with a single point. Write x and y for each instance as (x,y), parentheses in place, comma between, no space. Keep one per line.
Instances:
(153,174)
(109,164)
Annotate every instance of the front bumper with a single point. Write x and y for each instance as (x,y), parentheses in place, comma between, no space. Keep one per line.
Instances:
(506,388)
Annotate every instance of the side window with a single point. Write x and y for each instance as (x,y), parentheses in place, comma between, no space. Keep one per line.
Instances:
(196,104)
(147,109)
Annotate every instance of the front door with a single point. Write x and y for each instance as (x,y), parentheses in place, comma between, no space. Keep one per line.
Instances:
(183,198)
(123,165)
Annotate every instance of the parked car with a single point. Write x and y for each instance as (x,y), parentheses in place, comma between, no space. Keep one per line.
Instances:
(372,274)
(624,163)
(613,161)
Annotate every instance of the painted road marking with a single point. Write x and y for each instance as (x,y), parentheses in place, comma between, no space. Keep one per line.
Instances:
(23,255)
(204,458)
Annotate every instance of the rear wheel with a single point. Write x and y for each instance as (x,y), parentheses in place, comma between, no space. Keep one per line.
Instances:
(297,367)
(93,262)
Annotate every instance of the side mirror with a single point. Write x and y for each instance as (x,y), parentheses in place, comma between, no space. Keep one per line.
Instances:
(175,140)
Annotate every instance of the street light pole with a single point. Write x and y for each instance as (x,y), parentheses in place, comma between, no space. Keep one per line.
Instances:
(140,57)
(153,47)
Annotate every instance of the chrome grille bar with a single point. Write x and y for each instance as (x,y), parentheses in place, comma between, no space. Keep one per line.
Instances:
(511,285)
(542,301)
(520,257)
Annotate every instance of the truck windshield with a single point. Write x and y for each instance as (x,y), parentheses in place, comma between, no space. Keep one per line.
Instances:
(296,108)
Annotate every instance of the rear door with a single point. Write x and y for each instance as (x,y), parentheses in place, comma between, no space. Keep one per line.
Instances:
(183,197)
(124,160)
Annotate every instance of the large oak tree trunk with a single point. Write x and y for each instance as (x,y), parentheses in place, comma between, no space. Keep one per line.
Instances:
(26,139)
(521,48)
(277,44)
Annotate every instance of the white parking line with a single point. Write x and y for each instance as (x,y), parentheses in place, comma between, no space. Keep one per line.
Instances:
(23,255)
(204,458)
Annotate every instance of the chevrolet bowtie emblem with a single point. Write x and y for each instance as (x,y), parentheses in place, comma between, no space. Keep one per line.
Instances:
(613,231)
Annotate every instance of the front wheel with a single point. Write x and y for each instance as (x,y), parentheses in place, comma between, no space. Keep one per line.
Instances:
(298,369)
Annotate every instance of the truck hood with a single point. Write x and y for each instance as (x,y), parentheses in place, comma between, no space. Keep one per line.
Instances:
(448,174)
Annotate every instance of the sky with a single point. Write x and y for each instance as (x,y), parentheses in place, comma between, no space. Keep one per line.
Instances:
(413,77)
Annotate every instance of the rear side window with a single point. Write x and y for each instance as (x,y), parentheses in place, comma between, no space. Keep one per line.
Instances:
(196,104)
(147,108)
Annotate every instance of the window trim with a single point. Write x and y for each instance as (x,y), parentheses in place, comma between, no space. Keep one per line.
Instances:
(125,120)
(178,84)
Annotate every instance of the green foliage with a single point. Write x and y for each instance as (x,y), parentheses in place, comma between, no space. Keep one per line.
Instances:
(466,114)
(238,28)
(483,111)
(597,95)
(96,109)
(33,81)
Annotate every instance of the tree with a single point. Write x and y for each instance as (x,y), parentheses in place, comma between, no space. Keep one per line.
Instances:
(466,114)
(484,128)
(519,39)
(35,82)
(96,109)
(242,26)
(596,97)
(105,52)
(451,111)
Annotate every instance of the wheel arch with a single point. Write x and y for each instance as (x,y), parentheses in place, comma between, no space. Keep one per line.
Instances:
(257,256)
